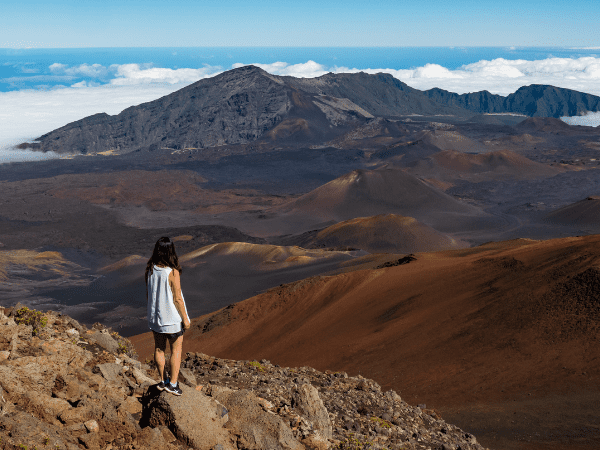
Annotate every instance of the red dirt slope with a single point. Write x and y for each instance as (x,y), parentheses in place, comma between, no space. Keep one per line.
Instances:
(387,233)
(481,334)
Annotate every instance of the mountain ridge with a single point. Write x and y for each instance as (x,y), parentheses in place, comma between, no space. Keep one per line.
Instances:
(247,104)
(535,100)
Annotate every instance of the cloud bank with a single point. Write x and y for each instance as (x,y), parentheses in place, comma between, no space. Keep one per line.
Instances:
(591,119)
(499,76)
(28,114)
(131,74)
(94,88)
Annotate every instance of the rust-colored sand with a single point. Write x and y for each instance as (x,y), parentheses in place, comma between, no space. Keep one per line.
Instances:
(385,233)
(482,334)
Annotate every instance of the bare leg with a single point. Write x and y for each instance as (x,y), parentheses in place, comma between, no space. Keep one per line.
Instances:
(176,346)
(160,343)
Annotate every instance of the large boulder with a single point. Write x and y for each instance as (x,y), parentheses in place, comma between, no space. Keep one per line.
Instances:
(104,339)
(186,376)
(193,417)
(254,427)
(111,372)
(308,402)
(27,378)
(64,355)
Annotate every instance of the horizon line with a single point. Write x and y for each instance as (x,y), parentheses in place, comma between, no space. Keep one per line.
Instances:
(451,47)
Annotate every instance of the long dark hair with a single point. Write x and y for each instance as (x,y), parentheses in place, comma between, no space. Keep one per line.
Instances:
(163,255)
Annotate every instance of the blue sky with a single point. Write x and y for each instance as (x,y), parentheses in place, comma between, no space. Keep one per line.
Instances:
(158,23)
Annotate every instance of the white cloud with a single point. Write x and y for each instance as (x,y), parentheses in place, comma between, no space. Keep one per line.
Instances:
(434,71)
(499,76)
(309,69)
(27,114)
(133,74)
(83,70)
(84,84)
(591,119)
(14,155)
(58,68)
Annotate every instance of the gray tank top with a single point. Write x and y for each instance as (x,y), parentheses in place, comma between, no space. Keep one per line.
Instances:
(162,314)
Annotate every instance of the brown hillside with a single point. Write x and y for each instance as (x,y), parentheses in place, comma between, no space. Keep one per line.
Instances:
(452,165)
(362,193)
(218,275)
(387,233)
(451,140)
(502,324)
(546,125)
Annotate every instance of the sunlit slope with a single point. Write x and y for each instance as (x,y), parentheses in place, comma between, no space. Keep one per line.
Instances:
(388,233)
(263,257)
(480,324)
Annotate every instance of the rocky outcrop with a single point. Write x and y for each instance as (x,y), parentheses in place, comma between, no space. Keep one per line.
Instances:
(194,418)
(355,409)
(61,389)
(63,386)
(307,401)
(380,94)
(237,106)
(251,423)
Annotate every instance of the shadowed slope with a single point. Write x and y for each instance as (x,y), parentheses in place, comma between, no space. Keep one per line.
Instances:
(241,106)
(585,212)
(452,140)
(380,94)
(534,100)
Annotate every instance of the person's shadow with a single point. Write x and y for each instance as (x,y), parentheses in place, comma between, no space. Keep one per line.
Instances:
(149,398)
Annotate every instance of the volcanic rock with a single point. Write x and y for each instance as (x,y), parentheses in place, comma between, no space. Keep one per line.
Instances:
(61,390)
(254,427)
(307,400)
(192,417)
(246,104)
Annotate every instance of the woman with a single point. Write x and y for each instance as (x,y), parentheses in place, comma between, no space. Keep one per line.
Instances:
(167,313)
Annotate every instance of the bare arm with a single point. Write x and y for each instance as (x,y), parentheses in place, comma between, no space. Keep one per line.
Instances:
(175,283)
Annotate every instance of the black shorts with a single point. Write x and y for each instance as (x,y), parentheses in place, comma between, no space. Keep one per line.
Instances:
(172,336)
